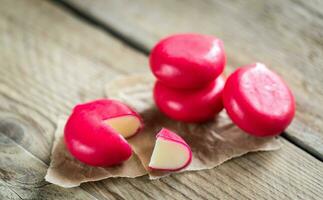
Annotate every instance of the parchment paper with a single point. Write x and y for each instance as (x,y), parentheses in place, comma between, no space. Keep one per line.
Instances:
(65,171)
(212,143)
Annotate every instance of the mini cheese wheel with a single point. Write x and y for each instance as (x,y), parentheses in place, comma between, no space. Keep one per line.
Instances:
(95,132)
(258,100)
(197,105)
(187,61)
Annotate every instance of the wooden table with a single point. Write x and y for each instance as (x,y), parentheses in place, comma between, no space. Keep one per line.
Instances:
(56,54)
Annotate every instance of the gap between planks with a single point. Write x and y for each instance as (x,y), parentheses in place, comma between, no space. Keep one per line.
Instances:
(91,20)
(136,45)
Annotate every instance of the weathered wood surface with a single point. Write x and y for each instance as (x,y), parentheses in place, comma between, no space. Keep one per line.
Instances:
(286,35)
(22,176)
(49,61)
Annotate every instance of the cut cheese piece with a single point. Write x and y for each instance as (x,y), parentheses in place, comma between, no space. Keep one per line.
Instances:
(171,152)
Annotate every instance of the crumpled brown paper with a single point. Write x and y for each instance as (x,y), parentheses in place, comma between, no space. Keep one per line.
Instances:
(212,143)
(64,170)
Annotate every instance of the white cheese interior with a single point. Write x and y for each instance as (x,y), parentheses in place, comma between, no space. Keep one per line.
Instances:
(168,154)
(124,125)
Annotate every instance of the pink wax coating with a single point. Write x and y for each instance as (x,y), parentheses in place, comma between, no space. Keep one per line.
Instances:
(190,105)
(91,140)
(258,100)
(187,60)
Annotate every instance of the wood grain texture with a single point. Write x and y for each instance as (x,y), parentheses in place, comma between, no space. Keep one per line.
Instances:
(46,69)
(52,61)
(22,176)
(284,174)
(49,63)
(286,35)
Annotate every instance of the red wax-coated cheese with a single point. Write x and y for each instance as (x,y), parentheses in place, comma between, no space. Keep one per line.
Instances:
(187,60)
(91,140)
(190,105)
(258,100)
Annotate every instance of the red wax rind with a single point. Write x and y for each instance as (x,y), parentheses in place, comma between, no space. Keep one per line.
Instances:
(197,105)
(187,60)
(258,100)
(91,140)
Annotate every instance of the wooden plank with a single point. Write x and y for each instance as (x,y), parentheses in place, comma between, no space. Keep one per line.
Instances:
(49,63)
(6,192)
(288,173)
(22,176)
(47,69)
(285,35)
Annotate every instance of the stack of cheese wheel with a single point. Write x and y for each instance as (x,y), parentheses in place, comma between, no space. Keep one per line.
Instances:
(188,68)
(190,86)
